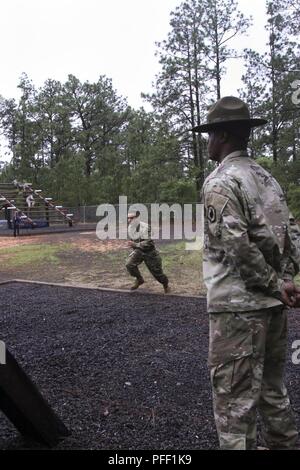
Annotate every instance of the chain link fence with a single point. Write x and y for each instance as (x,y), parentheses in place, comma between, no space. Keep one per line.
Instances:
(168,221)
(156,211)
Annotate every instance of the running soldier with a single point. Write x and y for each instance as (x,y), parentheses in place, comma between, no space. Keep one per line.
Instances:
(143,251)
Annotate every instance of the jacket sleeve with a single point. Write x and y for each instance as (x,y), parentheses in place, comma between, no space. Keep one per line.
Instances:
(292,250)
(248,250)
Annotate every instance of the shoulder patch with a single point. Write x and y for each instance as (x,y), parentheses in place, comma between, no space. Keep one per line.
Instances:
(211,214)
(215,204)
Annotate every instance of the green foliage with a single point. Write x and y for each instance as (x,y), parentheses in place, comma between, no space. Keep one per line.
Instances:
(192,62)
(265,162)
(288,176)
(294,201)
(181,190)
(84,145)
(268,85)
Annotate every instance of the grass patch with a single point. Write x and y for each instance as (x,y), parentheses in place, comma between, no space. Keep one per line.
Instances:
(183,268)
(175,254)
(66,262)
(113,257)
(33,254)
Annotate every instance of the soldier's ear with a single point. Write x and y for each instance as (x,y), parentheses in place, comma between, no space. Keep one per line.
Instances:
(224,137)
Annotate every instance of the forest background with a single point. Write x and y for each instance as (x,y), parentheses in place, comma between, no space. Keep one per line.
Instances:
(83,144)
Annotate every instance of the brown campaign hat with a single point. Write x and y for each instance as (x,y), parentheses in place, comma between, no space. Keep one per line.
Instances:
(228,110)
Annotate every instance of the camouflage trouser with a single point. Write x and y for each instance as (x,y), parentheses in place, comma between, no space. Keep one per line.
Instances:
(246,360)
(152,260)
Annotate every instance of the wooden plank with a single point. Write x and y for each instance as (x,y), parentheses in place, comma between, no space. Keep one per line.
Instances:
(23,404)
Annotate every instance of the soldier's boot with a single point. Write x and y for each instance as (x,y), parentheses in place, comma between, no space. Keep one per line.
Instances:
(137,283)
(167,288)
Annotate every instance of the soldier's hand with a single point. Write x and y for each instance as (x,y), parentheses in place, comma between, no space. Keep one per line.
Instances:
(289,293)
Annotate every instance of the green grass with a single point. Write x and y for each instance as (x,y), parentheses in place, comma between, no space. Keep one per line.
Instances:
(48,262)
(33,254)
(175,255)
(113,256)
(174,258)
(172,254)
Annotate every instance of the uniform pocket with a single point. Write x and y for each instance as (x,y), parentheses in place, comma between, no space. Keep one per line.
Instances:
(230,363)
(224,350)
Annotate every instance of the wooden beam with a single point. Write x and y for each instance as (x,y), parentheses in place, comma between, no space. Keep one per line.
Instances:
(23,404)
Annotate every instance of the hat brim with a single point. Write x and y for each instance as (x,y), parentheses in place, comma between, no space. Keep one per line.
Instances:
(255,122)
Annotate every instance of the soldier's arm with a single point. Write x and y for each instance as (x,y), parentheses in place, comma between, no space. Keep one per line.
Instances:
(232,226)
(292,251)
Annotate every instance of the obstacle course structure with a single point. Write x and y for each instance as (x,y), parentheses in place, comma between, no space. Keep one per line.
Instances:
(25,407)
(36,209)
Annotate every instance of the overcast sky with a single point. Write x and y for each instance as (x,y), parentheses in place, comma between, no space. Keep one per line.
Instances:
(88,38)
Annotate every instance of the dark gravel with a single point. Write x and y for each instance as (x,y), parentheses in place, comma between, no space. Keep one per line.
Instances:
(123,371)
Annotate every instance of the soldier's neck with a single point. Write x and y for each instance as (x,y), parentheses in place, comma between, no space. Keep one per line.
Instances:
(227,151)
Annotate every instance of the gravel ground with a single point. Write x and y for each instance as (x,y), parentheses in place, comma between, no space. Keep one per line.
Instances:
(123,371)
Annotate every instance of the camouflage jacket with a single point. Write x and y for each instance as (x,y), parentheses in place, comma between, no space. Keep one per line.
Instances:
(141,233)
(248,244)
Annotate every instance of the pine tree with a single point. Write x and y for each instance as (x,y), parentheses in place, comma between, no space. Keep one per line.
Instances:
(222,22)
(192,64)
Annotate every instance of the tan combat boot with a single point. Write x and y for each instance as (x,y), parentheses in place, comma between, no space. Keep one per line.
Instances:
(137,284)
(167,289)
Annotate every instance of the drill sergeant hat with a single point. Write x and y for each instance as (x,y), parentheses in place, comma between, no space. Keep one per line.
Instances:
(228,110)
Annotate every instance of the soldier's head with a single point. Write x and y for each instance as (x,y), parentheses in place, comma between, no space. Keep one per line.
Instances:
(227,138)
(131,216)
(229,126)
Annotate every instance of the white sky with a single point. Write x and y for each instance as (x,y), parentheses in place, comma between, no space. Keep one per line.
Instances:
(88,38)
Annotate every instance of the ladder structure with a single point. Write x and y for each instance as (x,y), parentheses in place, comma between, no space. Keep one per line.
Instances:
(36,209)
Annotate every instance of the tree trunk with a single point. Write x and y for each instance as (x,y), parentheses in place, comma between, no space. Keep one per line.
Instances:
(294,141)
(217,46)
(274,119)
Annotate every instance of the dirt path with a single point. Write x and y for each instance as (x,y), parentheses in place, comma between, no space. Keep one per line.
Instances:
(81,258)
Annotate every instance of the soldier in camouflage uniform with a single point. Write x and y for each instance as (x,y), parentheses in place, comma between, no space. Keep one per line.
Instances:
(143,250)
(250,260)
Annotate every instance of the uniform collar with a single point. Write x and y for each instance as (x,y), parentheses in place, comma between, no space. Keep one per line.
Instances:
(236,154)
